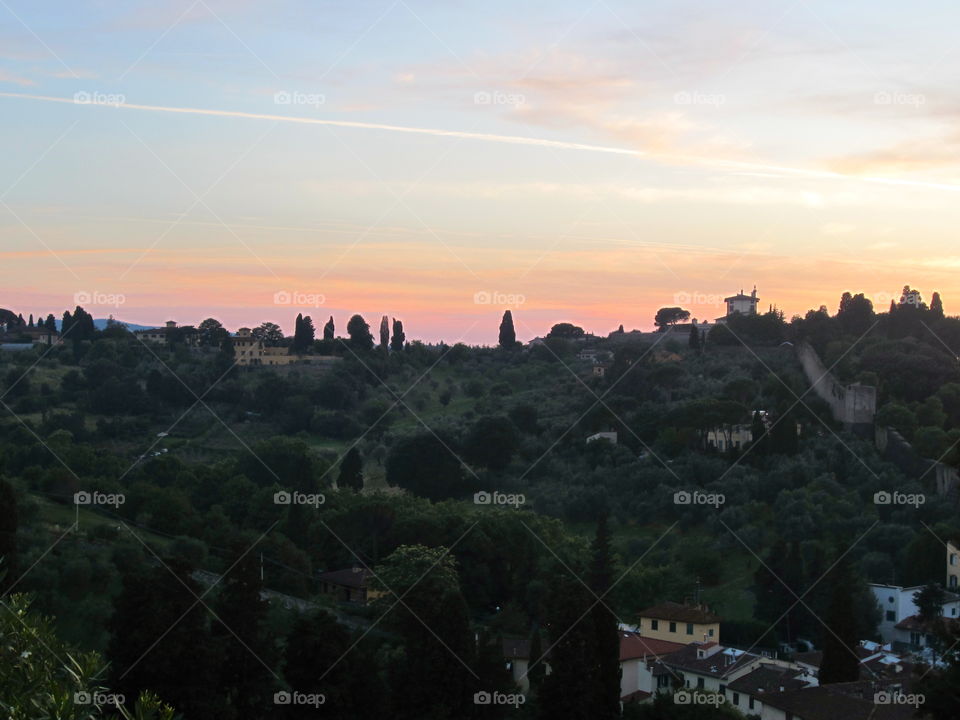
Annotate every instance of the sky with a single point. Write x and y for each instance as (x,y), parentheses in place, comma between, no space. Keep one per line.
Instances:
(440,162)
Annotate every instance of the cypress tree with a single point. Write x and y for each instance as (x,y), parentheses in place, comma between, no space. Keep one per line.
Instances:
(694,341)
(606,637)
(9,564)
(328,329)
(840,662)
(396,344)
(508,336)
(384,333)
(351,471)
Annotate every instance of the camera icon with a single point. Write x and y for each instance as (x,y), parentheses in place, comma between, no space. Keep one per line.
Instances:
(82,698)
(282,297)
(82,98)
(282,98)
(482,698)
(683,98)
(682,497)
(282,498)
(282,698)
(482,498)
(682,298)
(482,98)
(682,698)
(481,298)
(882,698)
(82,297)
(883,98)
(82,498)
(882,498)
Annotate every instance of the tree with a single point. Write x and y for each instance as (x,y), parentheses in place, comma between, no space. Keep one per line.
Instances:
(929,601)
(328,329)
(605,699)
(508,336)
(211,333)
(240,637)
(855,314)
(491,442)
(35,683)
(359,332)
(351,471)
(424,465)
(695,342)
(567,331)
(268,332)
(227,356)
(396,344)
(668,316)
(936,306)
(940,685)
(433,625)
(303,334)
(384,333)
(50,323)
(30,321)
(840,636)
(9,564)
(568,691)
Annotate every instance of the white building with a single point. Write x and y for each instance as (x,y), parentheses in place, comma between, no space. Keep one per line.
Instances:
(897,606)
(741,304)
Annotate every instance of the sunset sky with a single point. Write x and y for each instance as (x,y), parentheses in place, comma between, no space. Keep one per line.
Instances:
(574,161)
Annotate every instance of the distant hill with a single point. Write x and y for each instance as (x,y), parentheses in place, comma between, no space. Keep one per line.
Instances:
(101,323)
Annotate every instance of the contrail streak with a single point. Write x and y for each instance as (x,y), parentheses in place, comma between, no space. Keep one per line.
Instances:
(509,140)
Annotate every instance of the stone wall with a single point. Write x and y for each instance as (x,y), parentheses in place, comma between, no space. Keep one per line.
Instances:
(853,405)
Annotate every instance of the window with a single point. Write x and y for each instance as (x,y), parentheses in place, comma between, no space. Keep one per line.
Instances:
(890,599)
(750,702)
(654,624)
(914,638)
(710,632)
(953,558)
(673,627)
(891,616)
(700,683)
(736,698)
(689,628)
(723,690)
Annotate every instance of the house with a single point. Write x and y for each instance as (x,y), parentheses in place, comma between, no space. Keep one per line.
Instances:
(953,566)
(679,623)
(351,585)
(164,335)
(748,692)
(637,654)
(916,635)
(850,701)
(703,666)
(878,663)
(250,350)
(736,437)
(610,437)
(588,354)
(740,304)
(897,605)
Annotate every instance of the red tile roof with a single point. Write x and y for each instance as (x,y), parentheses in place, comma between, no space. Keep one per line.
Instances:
(634,646)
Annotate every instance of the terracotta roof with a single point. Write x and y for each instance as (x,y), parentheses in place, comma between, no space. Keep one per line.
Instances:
(914,622)
(633,646)
(850,701)
(349,577)
(636,696)
(768,679)
(679,613)
(718,665)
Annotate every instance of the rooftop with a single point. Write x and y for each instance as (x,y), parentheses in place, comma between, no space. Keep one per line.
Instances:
(348,577)
(680,613)
(633,646)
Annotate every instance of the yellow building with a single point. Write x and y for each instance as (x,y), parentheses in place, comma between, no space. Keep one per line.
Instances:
(679,623)
(953,566)
(249,350)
